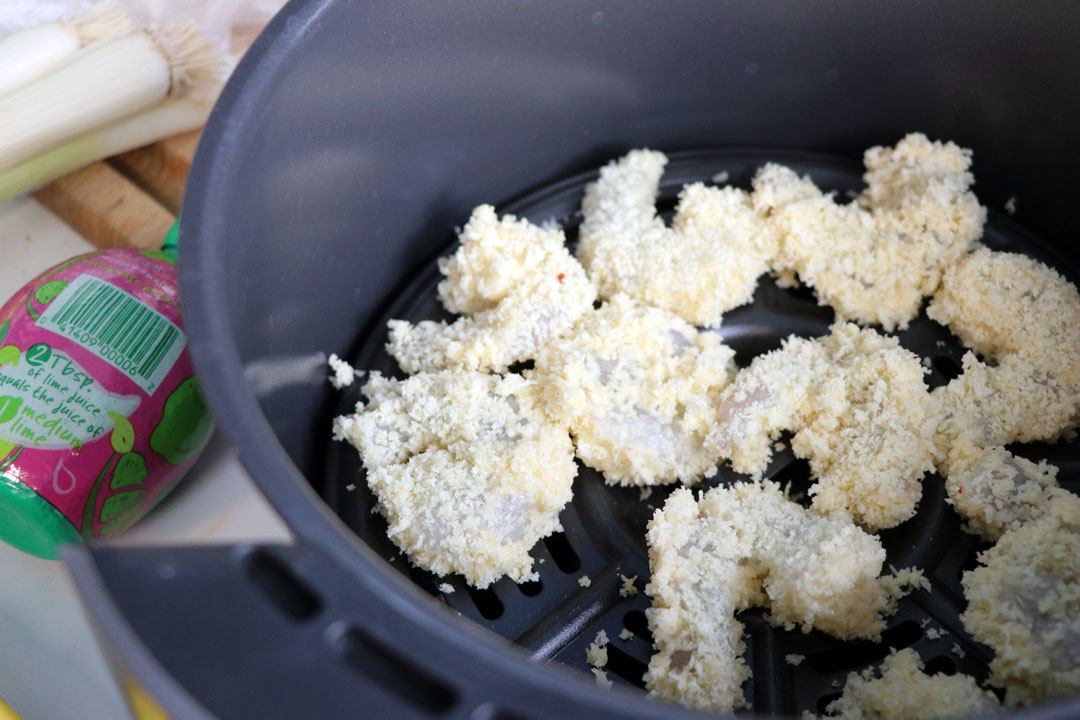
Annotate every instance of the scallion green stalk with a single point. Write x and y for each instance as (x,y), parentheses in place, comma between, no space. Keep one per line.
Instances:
(170,117)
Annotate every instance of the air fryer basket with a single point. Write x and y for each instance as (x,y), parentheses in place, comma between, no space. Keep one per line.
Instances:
(350,142)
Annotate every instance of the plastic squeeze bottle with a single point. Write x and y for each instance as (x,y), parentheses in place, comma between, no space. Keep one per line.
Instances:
(100,411)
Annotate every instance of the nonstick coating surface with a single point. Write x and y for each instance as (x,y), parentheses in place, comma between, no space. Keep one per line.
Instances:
(556,618)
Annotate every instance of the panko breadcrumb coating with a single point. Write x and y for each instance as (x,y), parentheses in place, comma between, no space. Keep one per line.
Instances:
(902,690)
(1025,317)
(518,287)
(995,491)
(750,545)
(637,387)
(468,472)
(869,438)
(1024,602)
(861,413)
(706,263)
(875,259)
(697,586)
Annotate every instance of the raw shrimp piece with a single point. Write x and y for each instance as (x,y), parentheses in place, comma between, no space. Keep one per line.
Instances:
(861,415)
(706,263)
(467,470)
(742,546)
(1024,602)
(637,387)
(869,438)
(995,491)
(766,398)
(875,259)
(519,288)
(902,690)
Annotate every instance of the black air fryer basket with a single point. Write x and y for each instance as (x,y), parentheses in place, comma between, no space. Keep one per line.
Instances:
(352,140)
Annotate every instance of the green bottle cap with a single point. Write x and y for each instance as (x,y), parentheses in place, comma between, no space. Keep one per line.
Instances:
(30,523)
(172,242)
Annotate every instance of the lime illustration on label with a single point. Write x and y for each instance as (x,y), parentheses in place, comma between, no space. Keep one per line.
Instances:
(49,402)
(123,331)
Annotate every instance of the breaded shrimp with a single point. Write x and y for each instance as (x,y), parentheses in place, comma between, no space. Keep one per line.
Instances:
(875,259)
(1024,602)
(1025,317)
(698,583)
(750,545)
(706,263)
(902,690)
(766,398)
(861,415)
(637,387)
(869,439)
(518,287)
(995,491)
(467,470)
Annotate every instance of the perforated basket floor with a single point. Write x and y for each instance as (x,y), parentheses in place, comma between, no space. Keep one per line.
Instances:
(556,618)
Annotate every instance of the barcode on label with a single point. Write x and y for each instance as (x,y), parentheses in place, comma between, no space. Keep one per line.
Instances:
(120,329)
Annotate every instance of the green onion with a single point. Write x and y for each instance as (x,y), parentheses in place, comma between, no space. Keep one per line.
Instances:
(170,117)
(104,83)
(28,54)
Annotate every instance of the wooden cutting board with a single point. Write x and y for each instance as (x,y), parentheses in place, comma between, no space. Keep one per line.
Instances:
(130,200)
(133,199)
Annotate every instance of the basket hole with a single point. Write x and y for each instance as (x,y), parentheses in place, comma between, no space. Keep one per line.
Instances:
(626,666)
(531,588)
(796,478)
(281,586)
(863,652)
(948,367)
(564,556)
(487,602)
(825,701)
(941,664)
(387,671)
(636,622)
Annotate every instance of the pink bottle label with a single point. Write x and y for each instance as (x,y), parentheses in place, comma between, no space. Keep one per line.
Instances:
(100,413)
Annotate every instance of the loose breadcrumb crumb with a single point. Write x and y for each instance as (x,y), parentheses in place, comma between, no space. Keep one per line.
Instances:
(721,178)
(901,690)
(1010,205)
(343,374)
(596,654)
(646,493)
(958,651)
(446,588)
(934,634)
(602,678)
(584,581)
(794,658)
(351,487)
(626,635)
(628,589)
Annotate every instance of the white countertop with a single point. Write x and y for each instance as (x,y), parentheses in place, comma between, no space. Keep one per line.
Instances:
(50,665)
